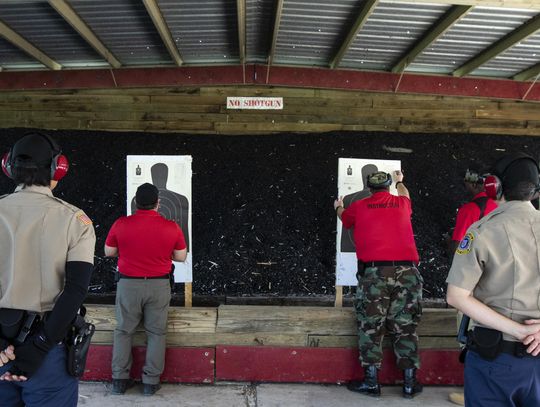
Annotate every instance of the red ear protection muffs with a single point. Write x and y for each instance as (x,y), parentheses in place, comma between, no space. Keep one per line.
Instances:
(493,184)
(379,180)
(59,162)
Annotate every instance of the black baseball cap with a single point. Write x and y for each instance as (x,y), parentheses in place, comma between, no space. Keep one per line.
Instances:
(33,150)
(147,194)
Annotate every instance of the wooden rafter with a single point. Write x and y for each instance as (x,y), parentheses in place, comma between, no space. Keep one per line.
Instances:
(438,29)
(523,4)
(21,43)
(364,14)
(163,29)
(528,73)
(277,22)
(73,19)
(519,34)
(241,14)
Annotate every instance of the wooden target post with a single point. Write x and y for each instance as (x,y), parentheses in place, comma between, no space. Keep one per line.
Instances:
(188,295)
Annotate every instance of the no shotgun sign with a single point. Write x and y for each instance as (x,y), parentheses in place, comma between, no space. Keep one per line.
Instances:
(263,103)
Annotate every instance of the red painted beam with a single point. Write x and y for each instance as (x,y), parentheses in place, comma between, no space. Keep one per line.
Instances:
(326,365)
(185,365)
(390,82)
(279,76)
(123,78)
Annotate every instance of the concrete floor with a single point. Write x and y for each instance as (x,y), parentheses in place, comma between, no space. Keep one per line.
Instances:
(93,394)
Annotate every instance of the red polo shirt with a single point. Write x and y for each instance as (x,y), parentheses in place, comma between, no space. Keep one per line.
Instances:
(382,228)
(470,213)
(145,242)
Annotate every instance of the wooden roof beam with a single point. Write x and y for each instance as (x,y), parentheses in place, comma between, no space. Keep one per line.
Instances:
(277,22)
(366,11)
(438,29)
(519,34)
(515,4)
(21,43)
(241,15)
(528,73)
(73,19)
(163,29)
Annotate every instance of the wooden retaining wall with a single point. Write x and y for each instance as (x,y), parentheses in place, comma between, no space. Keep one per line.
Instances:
(274,343)
(203,110)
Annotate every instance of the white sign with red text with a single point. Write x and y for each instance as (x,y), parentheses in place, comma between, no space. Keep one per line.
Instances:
(261,103)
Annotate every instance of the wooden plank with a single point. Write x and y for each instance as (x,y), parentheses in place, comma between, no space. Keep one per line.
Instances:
(317,320)
(285,319)
(527,4)
(188,295)
(351,341)
(339,296)
(211,339)
(199,320)
(242,128)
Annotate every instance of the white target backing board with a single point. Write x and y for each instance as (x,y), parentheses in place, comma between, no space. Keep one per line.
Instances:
(352,173)
(171,174)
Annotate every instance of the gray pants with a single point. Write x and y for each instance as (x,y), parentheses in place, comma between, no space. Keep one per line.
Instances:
(136,300)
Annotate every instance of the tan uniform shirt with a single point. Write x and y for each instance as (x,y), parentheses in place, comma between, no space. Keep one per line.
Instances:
(499,261)
(38,235)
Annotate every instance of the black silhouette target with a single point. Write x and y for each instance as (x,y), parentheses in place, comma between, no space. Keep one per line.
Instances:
(172,206)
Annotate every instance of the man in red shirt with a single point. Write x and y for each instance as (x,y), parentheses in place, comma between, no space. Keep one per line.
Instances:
(145,243)
(479,206)
(389,284)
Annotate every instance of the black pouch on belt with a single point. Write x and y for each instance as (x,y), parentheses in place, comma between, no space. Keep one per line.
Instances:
(78,343)
(486,342)
(11,322)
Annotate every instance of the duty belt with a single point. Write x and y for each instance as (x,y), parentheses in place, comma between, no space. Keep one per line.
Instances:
(516,349)
(164,276)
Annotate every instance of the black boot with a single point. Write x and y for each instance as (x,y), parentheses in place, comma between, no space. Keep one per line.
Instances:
(370,386)
(411,387)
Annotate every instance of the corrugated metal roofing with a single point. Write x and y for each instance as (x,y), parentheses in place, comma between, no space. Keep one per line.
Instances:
(514,60)
(12,57)
(311,32)
(474,32)
(260,16)
(204,31)
(126,29)
(42,26)
(389,32)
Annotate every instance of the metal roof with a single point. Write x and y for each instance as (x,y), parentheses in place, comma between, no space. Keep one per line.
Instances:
(471,38)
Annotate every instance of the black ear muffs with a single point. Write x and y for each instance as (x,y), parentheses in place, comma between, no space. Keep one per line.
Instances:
(59,162)
(493,184)
(379,180)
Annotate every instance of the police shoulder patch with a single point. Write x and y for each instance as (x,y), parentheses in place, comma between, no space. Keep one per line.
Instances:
(465,245)
(85,220)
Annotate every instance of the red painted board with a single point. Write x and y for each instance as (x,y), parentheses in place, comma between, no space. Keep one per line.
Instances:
(184,365)
(326,365)
(390,82)
(375,81)
(126,77)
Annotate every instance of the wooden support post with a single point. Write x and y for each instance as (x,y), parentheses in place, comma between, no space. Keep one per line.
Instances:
(339,296)
(188,295)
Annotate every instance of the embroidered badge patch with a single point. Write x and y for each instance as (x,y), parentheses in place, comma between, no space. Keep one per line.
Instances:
(466,244)
(85,220)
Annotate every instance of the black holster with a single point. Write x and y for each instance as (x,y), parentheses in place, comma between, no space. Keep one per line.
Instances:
(78,343)
(486,342)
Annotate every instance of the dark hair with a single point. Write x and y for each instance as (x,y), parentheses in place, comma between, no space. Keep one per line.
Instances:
(32,176)
(145,207)
(522,191)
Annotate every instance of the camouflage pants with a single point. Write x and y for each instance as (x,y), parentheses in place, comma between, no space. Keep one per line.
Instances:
(388,300)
